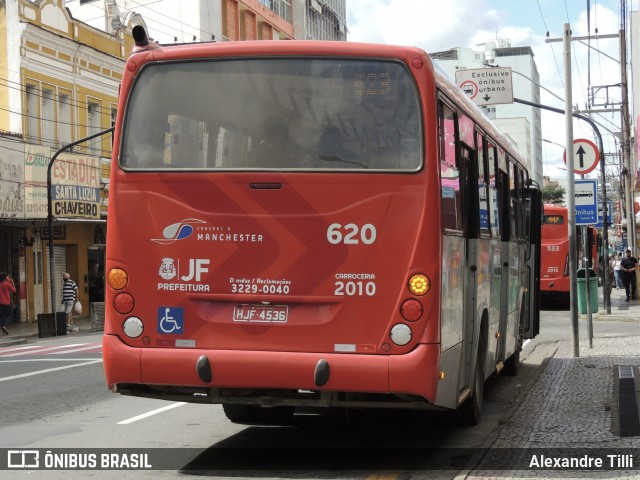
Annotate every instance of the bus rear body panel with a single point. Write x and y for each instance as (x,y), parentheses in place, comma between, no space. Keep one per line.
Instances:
(267,282)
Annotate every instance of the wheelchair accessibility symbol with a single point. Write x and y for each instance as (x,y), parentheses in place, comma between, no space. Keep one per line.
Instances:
(171,320)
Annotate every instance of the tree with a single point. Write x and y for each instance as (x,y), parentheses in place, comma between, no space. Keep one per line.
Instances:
(553,193)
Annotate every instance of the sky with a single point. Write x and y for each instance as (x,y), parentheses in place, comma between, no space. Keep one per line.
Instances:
(437,25)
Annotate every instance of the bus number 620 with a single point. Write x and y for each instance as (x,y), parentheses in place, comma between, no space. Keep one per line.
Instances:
(351,234)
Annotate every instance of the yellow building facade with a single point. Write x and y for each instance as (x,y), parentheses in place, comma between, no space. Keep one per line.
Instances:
(60,80)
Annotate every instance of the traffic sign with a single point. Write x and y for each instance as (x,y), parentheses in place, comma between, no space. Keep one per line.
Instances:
(487,86)
(585,156)
(586,202)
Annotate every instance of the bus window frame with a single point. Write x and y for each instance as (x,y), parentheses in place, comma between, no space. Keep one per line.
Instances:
(125,133)
(482,153)
(442,158)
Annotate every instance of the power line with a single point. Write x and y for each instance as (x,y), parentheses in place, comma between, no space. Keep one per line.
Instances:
(553,52)
(25,88)
(172,28)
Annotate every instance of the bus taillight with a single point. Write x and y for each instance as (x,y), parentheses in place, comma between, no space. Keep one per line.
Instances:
(401,334)
(565,273)
(419,284)
(411,310)
(123,303)
(133,327)
(117,278)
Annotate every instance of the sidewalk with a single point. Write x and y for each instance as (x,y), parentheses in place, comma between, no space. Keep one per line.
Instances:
(20,333)
(620,308)
(572,406)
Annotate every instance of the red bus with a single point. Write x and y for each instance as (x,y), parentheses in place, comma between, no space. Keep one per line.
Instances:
(554,273)
(308,224)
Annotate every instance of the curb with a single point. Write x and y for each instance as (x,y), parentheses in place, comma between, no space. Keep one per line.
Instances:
(12,342)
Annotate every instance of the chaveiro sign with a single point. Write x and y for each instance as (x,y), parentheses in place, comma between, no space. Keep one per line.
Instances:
(75,189)
(585,154)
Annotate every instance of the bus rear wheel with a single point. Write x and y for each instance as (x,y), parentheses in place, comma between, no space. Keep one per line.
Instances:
(257,415)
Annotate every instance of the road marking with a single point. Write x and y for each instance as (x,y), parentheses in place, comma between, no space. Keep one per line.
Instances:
(44,359)
(41,350)
(48,370)
(14,349)
(94,346)
(152,412)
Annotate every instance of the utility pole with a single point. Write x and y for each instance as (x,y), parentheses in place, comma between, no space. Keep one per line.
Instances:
(626,147)
(571,198)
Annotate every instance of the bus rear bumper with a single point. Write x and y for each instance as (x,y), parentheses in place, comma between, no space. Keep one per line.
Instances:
(414,373)
(555,285)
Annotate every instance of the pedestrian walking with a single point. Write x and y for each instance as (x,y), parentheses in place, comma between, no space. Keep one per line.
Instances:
(628,267)
(617,259)
(69,298)
(7,288)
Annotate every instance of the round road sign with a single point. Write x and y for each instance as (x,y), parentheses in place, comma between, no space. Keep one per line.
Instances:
(585,156)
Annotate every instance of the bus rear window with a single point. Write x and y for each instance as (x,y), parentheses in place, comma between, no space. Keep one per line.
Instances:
(273,114)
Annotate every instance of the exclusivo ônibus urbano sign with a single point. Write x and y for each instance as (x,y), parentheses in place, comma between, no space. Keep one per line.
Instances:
(486,86)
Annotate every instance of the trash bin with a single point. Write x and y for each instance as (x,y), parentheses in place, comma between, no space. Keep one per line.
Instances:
(62,323)
(582,290)
(47,325)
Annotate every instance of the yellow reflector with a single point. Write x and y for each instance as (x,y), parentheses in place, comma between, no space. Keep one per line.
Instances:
(117,278)
(419,284)
(441,376)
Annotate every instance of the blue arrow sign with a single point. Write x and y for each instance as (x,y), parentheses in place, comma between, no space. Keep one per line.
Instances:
(586,202)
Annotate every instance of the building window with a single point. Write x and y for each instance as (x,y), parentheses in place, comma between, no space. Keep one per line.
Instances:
(48,118)
(93,126)
(64,119)
(33,115)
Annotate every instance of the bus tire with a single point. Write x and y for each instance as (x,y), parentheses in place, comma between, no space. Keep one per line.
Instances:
(257,415)
(471,410)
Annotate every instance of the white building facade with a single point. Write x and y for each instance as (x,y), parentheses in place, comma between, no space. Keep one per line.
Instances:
(521,122)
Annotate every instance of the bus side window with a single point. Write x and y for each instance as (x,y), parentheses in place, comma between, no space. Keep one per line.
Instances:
(449,174)
(483,190)
(494,202)
(521,203)
(513,200)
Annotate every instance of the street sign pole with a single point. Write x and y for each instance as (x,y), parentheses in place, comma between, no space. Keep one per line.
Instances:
(587,257)
(586,203)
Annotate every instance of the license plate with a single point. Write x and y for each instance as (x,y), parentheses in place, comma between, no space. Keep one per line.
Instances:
(260,313)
